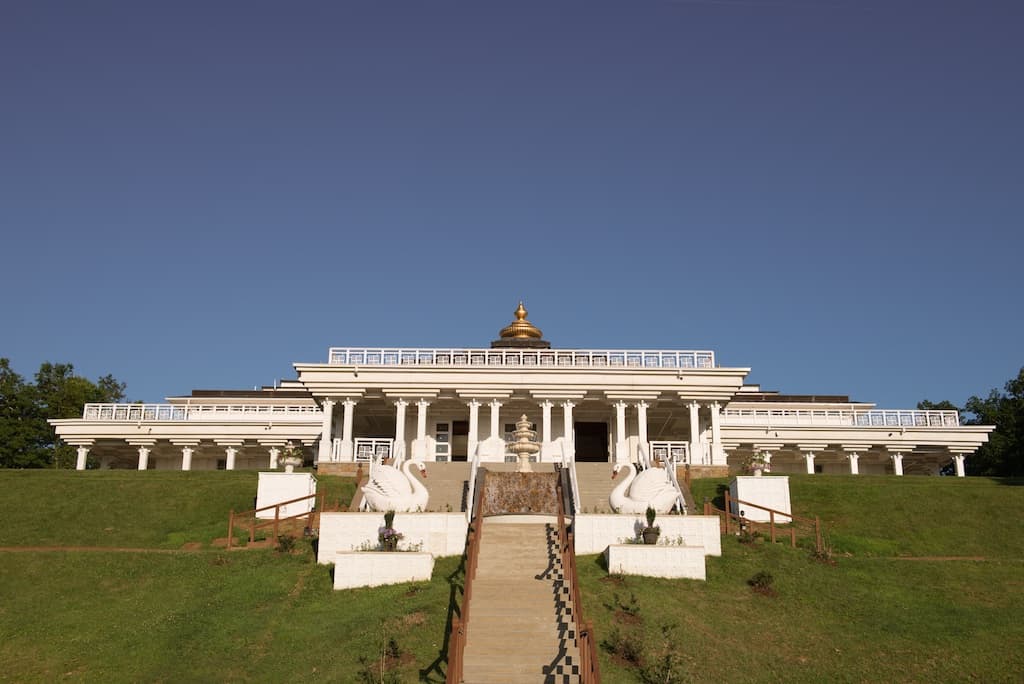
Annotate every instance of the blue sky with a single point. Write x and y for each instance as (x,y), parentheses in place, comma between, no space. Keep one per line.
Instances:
(198,194)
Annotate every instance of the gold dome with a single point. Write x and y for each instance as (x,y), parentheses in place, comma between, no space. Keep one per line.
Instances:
(521,328)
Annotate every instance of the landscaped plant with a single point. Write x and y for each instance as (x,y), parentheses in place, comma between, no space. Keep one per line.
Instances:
(761,582)
(755,462)
(652,531)
(388,536)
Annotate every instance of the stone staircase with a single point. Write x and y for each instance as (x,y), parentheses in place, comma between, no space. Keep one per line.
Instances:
(595,484)
(446,483)
(521,617)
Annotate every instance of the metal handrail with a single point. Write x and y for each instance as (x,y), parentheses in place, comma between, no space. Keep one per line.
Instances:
(668,463)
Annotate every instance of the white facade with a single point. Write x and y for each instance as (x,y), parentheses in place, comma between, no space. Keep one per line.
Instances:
(588,405)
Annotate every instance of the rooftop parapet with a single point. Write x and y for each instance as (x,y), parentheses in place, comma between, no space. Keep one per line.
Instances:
(839,417)
(577,358)
(208,412)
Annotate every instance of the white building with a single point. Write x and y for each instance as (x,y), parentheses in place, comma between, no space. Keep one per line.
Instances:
(588,405)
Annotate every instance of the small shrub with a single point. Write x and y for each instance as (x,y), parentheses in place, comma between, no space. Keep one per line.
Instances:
(664,664)
(285,543)
(627,648)
(762,583)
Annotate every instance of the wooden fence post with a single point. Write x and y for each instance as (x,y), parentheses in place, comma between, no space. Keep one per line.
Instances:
(231,528)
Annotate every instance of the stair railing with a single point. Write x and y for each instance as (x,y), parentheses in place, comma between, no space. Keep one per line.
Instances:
(250,521)
(590,671)
(669,464)
(460,621)
(778,521)
(570,466)
(471,493)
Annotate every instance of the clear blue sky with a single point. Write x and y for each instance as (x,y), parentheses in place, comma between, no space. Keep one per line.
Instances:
(198,194)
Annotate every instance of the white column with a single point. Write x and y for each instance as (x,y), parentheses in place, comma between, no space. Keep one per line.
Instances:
(620,432)
(474,428)
(958,462)
(854,459)
(809,458)
(496,419)
(229,461)
(570,441)
(695,433)
(347,449)
(186,458)
(897,462)
(143,458)
(642,426)
(400,422)
(545,410)
(326,436)
(421,419)
(83,454)
(275,454)
(717,456)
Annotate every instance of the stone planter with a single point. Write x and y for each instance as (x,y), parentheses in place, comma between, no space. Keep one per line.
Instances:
(376,568)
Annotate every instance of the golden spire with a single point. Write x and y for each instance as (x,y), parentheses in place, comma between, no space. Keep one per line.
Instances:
(521,328)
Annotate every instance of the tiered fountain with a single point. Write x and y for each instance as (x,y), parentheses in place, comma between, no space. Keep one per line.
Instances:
(525,445)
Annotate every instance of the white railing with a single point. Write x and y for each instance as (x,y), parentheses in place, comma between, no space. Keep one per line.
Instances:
(372,450)
(841,417)
(565,358)
(471,493)
(677,452)
(569,461)
(180,412)
(670,467)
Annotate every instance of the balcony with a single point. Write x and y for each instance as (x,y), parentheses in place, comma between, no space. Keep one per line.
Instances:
(518,358)
(840,418)
(196,412)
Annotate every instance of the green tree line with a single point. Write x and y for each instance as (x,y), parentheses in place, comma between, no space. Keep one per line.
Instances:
(1003,454)
(26,439)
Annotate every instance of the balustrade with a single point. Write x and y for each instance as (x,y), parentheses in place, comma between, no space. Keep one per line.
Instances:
(181,412)
(841,417)
(575,358)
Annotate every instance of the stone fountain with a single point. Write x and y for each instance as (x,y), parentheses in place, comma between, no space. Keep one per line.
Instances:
(525,444)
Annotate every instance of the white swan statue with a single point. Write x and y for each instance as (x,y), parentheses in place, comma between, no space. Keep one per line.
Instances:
(636,492)
(391,489)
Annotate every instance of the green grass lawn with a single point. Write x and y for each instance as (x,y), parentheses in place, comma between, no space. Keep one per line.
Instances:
(209,615)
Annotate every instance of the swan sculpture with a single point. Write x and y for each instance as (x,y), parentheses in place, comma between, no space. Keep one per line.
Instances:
(636,492)
(391,489)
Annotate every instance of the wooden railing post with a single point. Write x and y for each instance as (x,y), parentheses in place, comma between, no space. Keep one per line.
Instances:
(771,525)
(277,520)
(231,528)
(817,534)
(728,511)
(252,529)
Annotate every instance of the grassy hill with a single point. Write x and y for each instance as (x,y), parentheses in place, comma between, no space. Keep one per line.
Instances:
(894,607)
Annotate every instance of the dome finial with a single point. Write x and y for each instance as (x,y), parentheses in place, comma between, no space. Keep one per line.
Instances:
(521,328)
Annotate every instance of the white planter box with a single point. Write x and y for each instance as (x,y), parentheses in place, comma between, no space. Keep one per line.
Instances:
(441,534)
(596,532)
(376,568)
(656,561)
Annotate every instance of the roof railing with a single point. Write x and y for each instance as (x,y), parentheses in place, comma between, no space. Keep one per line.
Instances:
(564,358)
(182,412)
(840,417)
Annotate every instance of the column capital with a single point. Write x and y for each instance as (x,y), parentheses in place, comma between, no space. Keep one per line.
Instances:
(546,403)
(328,403)
(349,402)
(693,403)
(422,403)
(474,403)
(620,405)
(401,402)
(568,404)
(642,405)
(494,403)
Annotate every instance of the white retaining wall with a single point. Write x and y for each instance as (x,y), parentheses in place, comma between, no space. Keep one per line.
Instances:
(374,568)
(441,534)
(274,488)
(656,561)
(596,532)
(770,491)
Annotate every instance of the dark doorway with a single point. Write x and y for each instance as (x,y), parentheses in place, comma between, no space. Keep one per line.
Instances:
(460,439)
(591,442)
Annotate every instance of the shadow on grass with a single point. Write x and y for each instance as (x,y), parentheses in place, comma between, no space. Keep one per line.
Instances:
(456,586)
(1010,481)
(601,562)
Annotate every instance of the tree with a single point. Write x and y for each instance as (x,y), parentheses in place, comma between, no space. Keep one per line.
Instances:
(1004,452)
(26,439)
